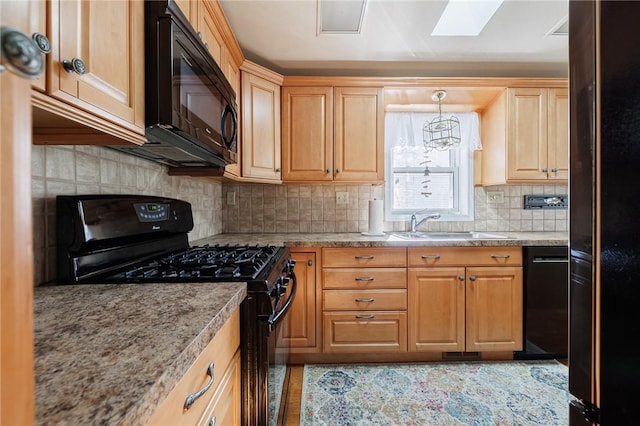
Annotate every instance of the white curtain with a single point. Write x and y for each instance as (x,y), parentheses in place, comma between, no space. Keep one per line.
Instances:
(405,128)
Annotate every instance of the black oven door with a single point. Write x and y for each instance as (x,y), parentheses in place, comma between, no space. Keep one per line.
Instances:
(278,356)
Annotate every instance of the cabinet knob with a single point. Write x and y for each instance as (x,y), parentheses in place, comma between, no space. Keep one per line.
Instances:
(472,278)
(75,65)
(42,42)
(337,170)
(212,421)
(544,170)
(461,278)
(20,54)
(277,169)
(554,170)
(309,262)
(328,171)
(199,35)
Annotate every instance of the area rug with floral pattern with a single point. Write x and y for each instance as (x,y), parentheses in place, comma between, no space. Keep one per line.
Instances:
(461,393)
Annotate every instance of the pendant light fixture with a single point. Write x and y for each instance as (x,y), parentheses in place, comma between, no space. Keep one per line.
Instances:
(441,134)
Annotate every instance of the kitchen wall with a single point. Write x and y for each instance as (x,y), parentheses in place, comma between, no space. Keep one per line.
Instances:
(65,170)
(313,208)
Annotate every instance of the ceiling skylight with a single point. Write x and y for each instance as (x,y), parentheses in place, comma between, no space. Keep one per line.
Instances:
(465,17)
(340,16)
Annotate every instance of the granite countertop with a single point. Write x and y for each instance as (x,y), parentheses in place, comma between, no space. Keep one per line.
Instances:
(109,354)
(387,240)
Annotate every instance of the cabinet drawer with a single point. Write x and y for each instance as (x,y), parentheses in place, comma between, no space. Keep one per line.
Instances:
(364,278)
(364,257)
(341,300)
(370,331)
(220,352)
(464,256)
(224,408)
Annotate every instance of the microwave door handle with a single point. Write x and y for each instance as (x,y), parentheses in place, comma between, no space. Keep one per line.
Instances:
(275,319)
(228,142)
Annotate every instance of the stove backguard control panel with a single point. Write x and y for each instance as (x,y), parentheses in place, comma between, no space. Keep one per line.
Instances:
(546,202)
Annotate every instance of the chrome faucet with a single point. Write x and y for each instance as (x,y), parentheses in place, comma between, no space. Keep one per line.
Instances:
(415,223)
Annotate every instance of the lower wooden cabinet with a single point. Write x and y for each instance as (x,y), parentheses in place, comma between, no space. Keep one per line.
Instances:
(301,327)
(224,408)
(465,308)
(217,370)
(365,331)
(364,299)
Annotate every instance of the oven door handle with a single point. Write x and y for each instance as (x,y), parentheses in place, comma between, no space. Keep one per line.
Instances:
(277,317)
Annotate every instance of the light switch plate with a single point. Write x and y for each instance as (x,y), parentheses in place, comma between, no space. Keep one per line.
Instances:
(231,198)
(495,197)
(342,198)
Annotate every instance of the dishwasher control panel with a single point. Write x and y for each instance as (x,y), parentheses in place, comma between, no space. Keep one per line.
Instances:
(546,202)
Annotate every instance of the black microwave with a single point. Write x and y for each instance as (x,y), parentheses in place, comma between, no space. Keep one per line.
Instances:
(190,110)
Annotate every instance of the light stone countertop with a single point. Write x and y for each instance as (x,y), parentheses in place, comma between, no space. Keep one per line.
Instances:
(109,354)
(387,240)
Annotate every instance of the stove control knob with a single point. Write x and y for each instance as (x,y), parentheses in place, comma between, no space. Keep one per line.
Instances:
(284,281)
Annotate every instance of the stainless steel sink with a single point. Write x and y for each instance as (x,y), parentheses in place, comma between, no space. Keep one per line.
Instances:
(448,236)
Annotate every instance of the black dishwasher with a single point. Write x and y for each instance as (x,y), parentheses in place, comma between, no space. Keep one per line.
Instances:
(546,303)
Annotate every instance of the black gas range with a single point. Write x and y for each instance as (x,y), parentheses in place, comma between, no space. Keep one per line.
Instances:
(117,239)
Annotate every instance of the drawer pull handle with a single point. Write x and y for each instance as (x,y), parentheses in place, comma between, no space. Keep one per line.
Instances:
(194,396)
(365,300)
(500,256)
(364,278)
(364,256)
(370,316)
(430,256)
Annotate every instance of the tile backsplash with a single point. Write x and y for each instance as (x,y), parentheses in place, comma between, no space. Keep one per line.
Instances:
(313,208)
(258,208)
(69,170)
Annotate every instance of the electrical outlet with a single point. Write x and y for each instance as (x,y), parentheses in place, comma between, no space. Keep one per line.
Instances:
(231,198)
(342,198)
(495,197)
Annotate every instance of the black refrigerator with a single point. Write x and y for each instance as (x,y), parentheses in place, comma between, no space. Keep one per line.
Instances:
(604,212)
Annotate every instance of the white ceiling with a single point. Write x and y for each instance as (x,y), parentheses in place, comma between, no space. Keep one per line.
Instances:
(396,41)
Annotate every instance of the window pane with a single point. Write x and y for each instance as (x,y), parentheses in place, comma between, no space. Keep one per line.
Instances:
(408,191)
(440,158)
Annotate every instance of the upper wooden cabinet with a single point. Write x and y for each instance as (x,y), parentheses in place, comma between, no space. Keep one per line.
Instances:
(95,75)
(332,134)
(525,134)
(260,113)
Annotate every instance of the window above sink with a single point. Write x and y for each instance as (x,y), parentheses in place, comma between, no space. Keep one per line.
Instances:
(449,184)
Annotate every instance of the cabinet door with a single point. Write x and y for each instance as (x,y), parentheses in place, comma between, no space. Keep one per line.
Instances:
(436,309)
(359,138)
(527,134)
(113,83)
(307,133)
(16,255)
(494,309)
(300,327)
(260,128)
(558,134)
(209,33)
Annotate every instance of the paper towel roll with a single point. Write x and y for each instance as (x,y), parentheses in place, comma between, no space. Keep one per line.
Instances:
(376,217)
